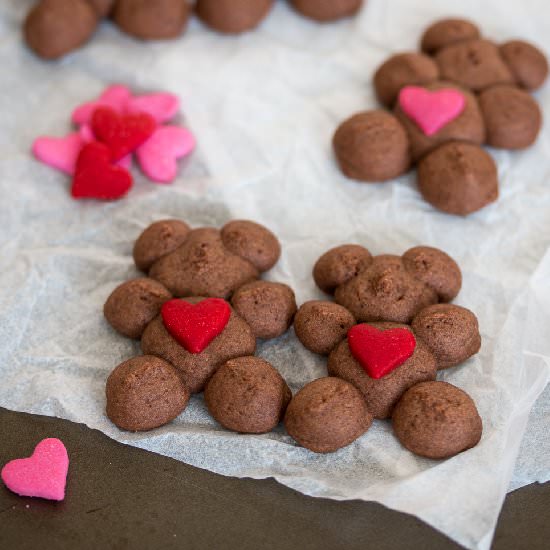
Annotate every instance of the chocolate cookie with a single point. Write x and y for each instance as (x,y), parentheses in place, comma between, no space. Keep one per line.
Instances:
(436,269)
(475,65)
(253,242)
(327,10)
(372,146)
(158,240)
(401,70)
(102,7)
(467,126)
(236,340)
(451,332)
(458,178)
(436,420)
(446,32)
(321,325)
(158,20)
(527,63)
(203,266)
(326,415)
(382,394)
(512,117)
(233,16)
(247,395)
(145,393)
(339,265)
(267,307)
(134,304)
(56,27)
(385,291)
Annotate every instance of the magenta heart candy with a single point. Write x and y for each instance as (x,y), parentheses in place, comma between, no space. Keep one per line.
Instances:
(431,110)
(161,106)
(158,156)
(59,153)
(116,97)
(43,475)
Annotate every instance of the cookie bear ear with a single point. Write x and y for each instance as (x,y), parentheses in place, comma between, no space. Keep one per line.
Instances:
(527,63)
(252,242)
(322,325)
(134,304)
(404,69)
(158,240)
(445,32)
(436,269)
(267,307)
(451,332)
(339,265)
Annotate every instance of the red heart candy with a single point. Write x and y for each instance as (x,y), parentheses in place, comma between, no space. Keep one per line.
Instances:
(123,134)
(96,178)
(380,352)
(44,474)
(194,326)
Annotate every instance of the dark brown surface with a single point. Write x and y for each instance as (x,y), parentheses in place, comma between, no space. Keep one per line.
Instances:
(119,497)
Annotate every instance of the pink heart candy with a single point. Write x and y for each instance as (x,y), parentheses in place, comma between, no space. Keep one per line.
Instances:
(161,106)
(431,110)
(43,475)
(158,155)
(116,97)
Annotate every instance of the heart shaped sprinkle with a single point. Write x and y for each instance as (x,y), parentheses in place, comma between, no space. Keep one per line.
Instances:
(380,352)
(96,178)
(123,134)
(59,153)
(431,110)
(161,106)
(194,326)
(43,475)
(116,97)
(158,155)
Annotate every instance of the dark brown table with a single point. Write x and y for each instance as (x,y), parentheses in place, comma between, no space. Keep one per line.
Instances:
(119,497)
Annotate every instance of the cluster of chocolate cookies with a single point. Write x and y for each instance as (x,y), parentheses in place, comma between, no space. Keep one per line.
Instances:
(461,92)
(54,28)
(202,306)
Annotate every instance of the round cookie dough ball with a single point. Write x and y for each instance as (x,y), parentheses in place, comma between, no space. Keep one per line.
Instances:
(102,7)
(236,340)
(144,393)
(468,126)
(527,63)
(446,32)
(321,326)
(437,420)
(327,10)
(476,65)
(382,394)
(134,304)
(451,332)
(458,178)
(233,16)
(385,291)
(158,240)
(372,146)
(146,20)
(339,265)
(267,307)
(404,69)
(512,117)
(204,266)
(247,395)
(252,242)
(53,28)
(436,269)
(326,415)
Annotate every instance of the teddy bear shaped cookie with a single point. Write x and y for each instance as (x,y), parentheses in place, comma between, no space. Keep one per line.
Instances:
(199,310)
(53,28)
(389,331)
(461,92)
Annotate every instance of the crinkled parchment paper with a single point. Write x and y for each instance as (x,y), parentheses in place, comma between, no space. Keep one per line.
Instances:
(264,107)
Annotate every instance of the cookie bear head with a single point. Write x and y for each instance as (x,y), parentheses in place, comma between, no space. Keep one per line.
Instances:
(391,326)
(444,103)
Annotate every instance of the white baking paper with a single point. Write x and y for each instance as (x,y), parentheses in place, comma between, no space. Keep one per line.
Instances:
(264,107)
